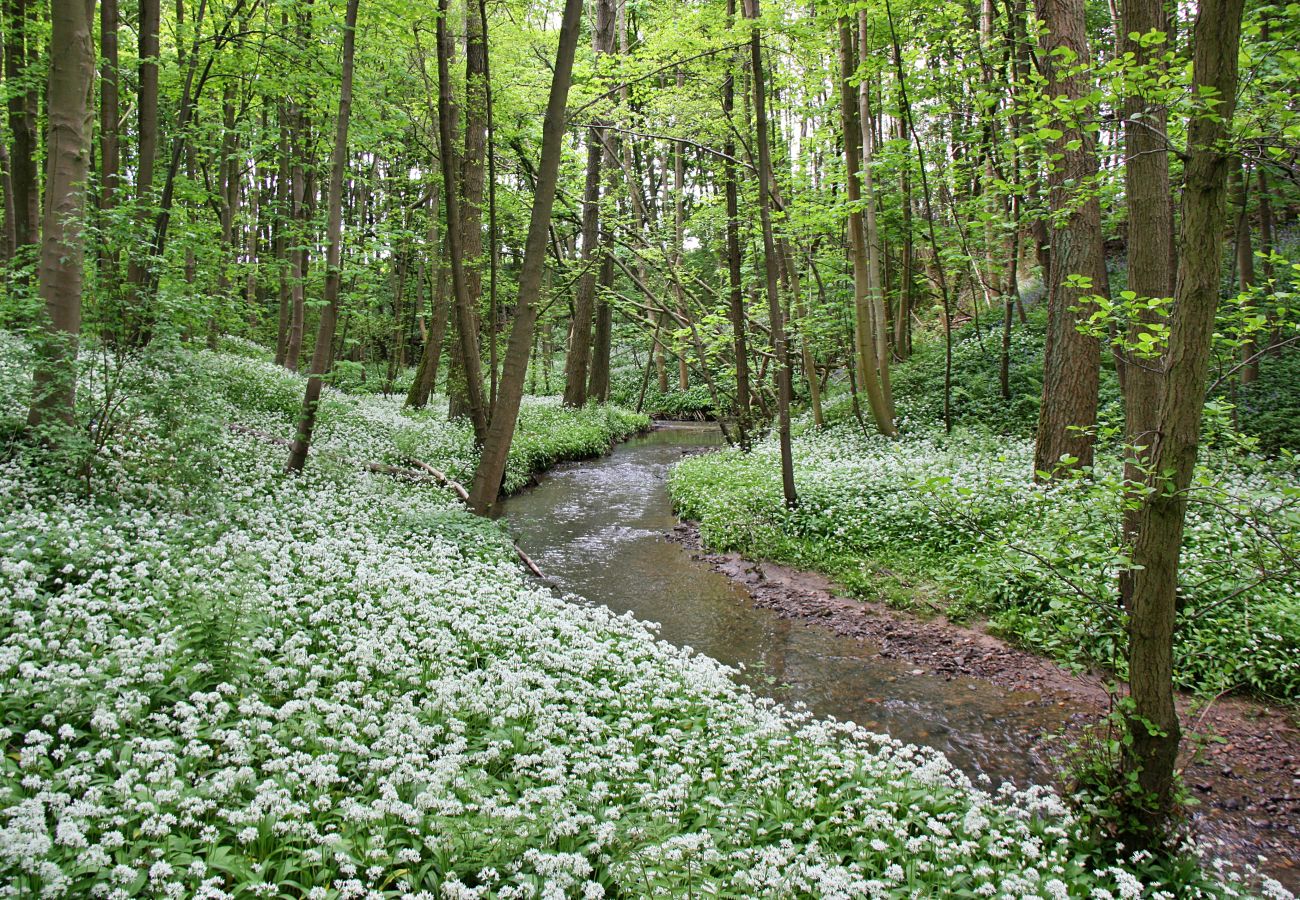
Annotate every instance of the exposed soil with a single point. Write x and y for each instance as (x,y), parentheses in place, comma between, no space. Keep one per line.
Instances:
(1247,781)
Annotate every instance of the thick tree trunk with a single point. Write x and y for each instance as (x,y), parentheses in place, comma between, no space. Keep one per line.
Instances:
(775,313)
(1153,721)
(496,448)
(322,353)
(68,151)
(1072,359)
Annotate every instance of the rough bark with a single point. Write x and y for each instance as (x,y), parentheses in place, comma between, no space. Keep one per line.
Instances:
(322,353)
(68,150)
(1072,360)
(496,448)
(1153,721)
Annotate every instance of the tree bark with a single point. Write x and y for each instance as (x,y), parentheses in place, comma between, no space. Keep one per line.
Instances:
(779,349)
(863,339)
(496,448)
(1072,360)
(1153,721)
(735,291)
(322,353)
(578,361)
(20,56)
(466,320)
(68,149)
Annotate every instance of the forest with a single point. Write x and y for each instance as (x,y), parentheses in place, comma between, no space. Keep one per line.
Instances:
(737,448)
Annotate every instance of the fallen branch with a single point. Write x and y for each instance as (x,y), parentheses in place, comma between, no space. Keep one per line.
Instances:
(427,474)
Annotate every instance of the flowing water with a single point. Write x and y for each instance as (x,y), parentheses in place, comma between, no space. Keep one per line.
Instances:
(598,529)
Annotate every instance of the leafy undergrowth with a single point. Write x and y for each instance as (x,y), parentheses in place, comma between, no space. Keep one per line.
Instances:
(220,681)
(1039,562)
(692,403)
(376,428)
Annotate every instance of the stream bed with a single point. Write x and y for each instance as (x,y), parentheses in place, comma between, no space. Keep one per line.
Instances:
(599,530)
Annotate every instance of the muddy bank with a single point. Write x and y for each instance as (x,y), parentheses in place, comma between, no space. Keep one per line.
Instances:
(1246,781)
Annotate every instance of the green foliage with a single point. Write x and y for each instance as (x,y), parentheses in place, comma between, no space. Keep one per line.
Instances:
(1041,563)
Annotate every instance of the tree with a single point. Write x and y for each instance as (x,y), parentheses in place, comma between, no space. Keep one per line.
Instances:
(1078,269)
(776,315)
(496,448)
(1158,536)
(68,141)
(322,354)
(578,361)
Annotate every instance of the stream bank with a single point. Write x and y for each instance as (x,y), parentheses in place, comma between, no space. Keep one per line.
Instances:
(1245,777)
(605,532)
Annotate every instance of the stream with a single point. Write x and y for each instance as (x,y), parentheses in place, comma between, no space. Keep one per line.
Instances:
(598,529)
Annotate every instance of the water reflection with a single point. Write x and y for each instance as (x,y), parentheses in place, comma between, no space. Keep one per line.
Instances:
(597,529)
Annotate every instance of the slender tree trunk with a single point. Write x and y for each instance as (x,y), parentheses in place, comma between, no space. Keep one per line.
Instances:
(422,386)
(1245,253)
(871,234)
(68,151)
(496,448)
(863,344)
(1072,359)
(321,358)
(1153,722)
(578,362)
(1150,250)
(466,320)
(110,152)
(146,158)
(20,56)
(735,290)
(775,313)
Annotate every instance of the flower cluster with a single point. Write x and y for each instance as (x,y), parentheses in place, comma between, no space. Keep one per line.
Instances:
(339,685)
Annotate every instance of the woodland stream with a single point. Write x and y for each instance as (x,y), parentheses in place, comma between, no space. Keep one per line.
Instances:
(599,529)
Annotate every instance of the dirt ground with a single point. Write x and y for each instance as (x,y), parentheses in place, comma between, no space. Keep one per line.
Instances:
(1247,783)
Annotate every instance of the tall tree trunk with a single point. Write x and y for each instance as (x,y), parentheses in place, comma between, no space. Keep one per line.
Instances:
(110,152)
(871,234)
(1150,249)
(322,353)
(20,56)
(471,206)
(68,151)
(147,148)
(496,448)
(578,362)
(466,320)
(1153,721)
(735,291)
(863,339)
(775,313)
(1245,253)
(1072,359)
